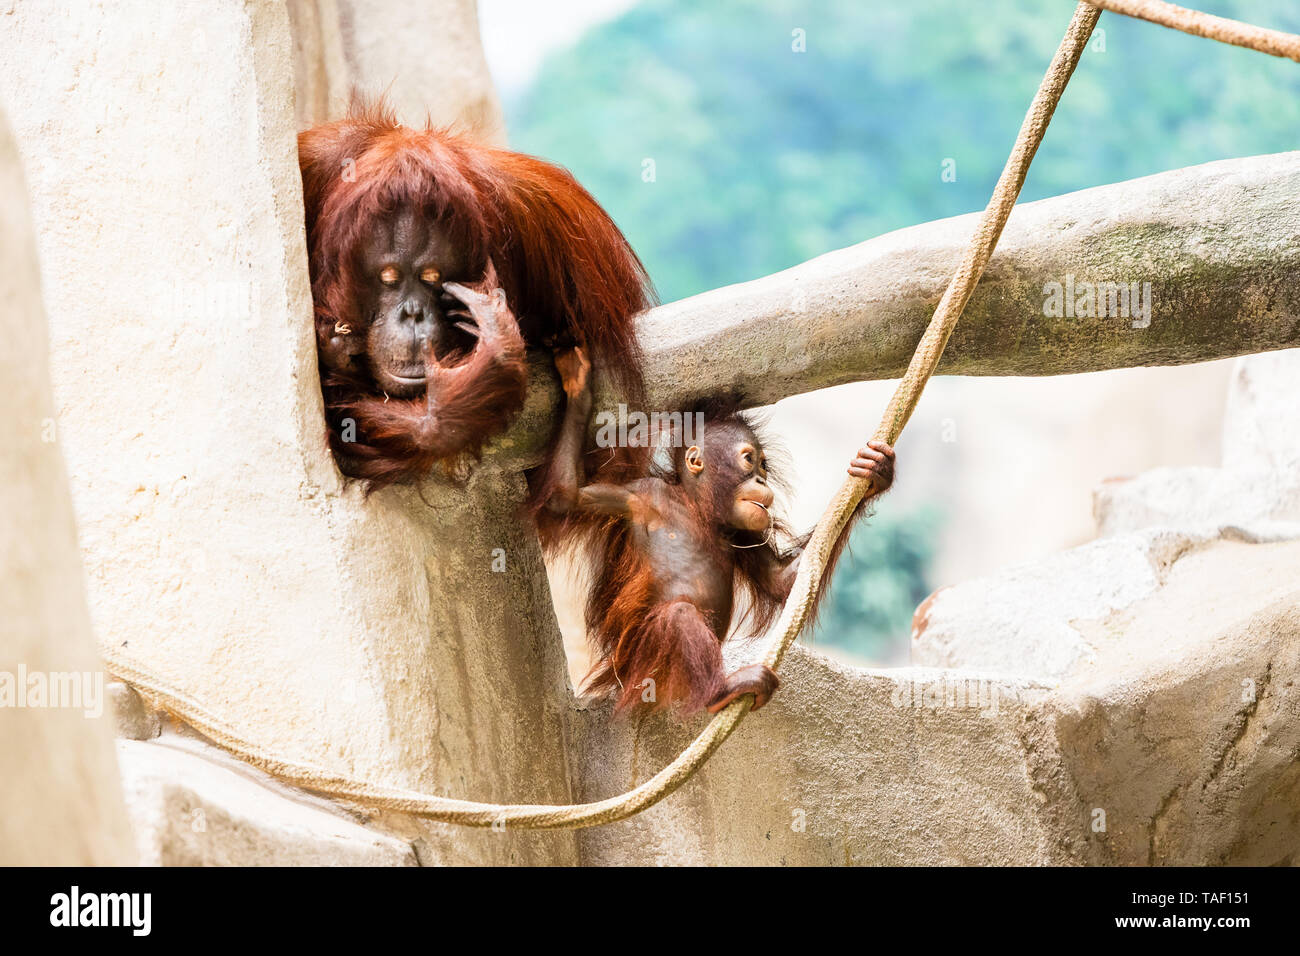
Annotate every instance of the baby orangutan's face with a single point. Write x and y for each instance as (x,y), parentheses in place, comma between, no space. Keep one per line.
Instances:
(730,462)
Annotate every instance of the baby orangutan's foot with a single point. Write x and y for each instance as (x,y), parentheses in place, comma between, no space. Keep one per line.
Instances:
(757,679)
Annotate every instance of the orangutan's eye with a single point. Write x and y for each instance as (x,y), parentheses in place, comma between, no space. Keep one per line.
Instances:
(390,275)
(430,276)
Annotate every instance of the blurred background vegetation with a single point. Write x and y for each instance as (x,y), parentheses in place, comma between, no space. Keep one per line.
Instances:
(765,156)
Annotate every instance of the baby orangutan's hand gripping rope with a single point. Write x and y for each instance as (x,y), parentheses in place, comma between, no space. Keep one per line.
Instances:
(669,550)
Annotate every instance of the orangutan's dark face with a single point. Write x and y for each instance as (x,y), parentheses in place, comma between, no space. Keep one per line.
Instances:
(405,262)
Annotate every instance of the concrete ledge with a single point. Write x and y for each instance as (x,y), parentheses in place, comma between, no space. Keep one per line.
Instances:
(844,767)
(191,805)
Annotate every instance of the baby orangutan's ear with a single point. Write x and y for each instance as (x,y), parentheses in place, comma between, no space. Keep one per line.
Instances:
(694,460)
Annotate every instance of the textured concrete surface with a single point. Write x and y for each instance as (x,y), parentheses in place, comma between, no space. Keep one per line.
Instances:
(1035,618)
(219,540)
(845,766)
(1259,478)
(60,803)
(426,58)
(192,805)
(1173,733)
(1186,732)
(133,718)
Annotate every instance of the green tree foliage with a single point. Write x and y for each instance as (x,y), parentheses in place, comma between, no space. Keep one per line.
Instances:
(879,582)
(726,153)
(765,157)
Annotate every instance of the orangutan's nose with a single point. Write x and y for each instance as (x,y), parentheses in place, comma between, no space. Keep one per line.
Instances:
(421,321)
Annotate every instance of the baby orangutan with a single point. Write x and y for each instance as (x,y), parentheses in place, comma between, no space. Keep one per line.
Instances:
(671,548)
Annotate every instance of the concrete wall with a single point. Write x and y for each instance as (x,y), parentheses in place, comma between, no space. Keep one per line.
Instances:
(61,802)
(425,57)
(220,543)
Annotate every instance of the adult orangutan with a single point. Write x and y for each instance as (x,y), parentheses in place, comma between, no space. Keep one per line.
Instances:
(434,261)
(671,547)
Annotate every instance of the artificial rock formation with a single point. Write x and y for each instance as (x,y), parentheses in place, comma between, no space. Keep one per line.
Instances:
(60,802)
(1259,478)
(408,638)
(426,58)
(192,805)
(1172,642)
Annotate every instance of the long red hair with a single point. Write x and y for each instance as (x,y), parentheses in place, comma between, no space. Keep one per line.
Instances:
(568,273)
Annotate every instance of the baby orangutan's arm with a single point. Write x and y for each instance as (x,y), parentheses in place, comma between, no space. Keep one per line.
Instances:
(569,494)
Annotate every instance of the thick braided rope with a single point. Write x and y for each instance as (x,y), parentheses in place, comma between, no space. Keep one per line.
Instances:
(309,776)
(1234,32)
(795,614)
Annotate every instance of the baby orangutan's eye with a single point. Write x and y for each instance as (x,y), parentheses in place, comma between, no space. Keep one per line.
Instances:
(390,275)
(430,276)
